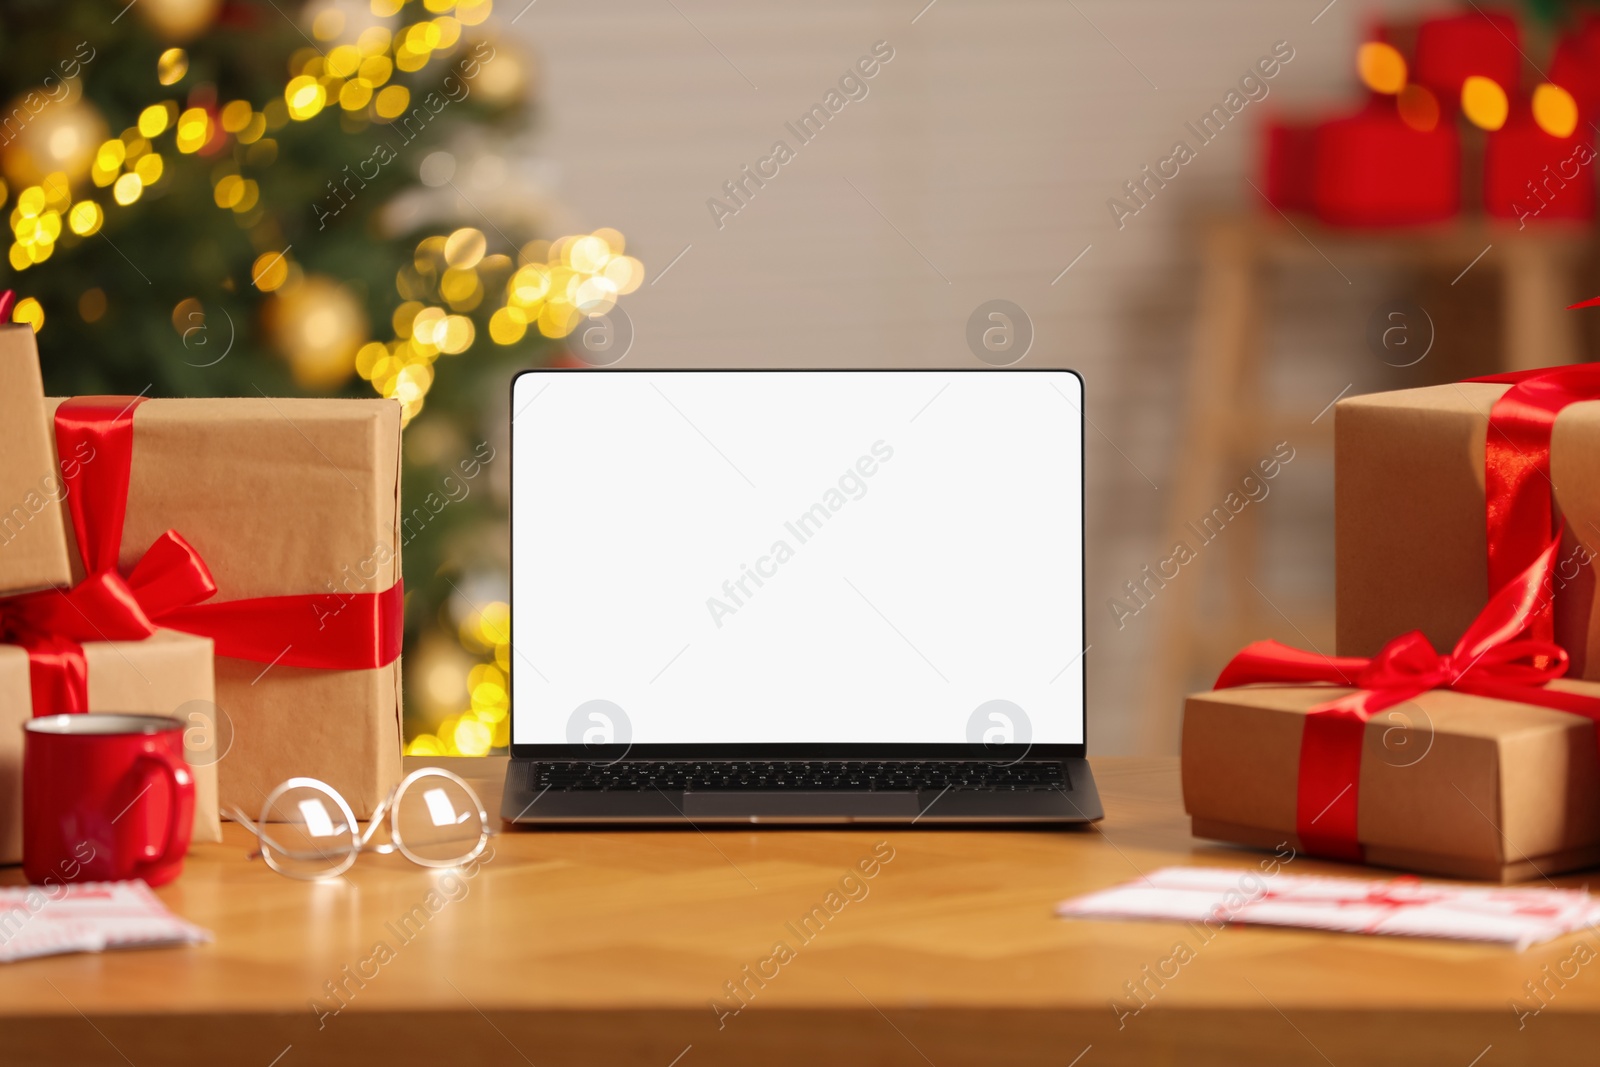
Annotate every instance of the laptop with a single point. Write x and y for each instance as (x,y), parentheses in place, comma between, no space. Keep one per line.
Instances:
(797,596)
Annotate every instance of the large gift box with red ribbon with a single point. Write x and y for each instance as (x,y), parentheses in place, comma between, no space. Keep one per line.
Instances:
(1443,493)
(167,674)
(1450,735)
(32,552)
(1477,762)
(270,527)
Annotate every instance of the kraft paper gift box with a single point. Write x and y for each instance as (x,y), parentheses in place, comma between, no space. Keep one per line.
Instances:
(33,547)
(168,673)
(283,497)
(1409,517)
(1450,784)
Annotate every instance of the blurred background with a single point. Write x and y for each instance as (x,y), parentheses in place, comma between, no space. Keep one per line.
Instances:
(1225,216)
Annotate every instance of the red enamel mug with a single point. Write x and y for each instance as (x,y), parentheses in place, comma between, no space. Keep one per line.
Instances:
(105,797)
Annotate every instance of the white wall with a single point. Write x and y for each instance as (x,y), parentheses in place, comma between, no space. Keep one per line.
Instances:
(990,144)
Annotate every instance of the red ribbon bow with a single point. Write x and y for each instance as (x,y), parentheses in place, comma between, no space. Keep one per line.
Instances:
(1485,662)
(1518,492)
(169,586)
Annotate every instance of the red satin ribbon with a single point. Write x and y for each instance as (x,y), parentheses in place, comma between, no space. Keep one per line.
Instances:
(1518,493)
(1485,662)
(170,585)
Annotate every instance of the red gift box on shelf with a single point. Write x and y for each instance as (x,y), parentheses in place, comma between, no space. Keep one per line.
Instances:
(1529,174)
(1576,66)
(1373,169)
(1453,48)
(1286,165)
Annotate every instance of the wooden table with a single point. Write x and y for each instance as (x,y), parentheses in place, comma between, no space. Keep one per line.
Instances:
(612,948)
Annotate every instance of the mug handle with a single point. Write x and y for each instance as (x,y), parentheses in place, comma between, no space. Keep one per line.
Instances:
(180,806)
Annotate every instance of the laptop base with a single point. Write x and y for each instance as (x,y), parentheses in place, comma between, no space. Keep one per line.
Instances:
(526,804)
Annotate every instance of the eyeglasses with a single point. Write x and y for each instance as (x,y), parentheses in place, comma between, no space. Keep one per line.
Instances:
(307,829)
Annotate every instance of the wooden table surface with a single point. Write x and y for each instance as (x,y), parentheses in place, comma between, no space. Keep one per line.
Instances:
(582,947)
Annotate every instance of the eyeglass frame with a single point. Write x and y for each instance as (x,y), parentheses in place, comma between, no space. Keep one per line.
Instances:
(361,840)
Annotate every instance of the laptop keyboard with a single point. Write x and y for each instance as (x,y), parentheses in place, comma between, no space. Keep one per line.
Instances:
(865,776)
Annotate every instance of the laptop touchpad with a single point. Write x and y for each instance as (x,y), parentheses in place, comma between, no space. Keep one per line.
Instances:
(741,805)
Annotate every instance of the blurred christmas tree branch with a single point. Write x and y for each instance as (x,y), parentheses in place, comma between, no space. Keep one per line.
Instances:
(220,197)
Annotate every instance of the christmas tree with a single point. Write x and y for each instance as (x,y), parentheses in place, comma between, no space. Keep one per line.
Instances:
(231,198)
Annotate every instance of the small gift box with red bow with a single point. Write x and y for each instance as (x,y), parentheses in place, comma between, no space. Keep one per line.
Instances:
(1481,762)
(168,674)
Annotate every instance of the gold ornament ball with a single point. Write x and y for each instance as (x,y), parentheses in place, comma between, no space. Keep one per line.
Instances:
(56,137)
(507,78)
(317,325)
(179,20)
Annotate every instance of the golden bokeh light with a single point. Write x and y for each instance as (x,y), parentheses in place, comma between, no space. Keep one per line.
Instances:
(507,326)
(374,41)
(30,311)
(354,96)
(558,318)
(454,334)
(464,248)
(473,12)
(127,189)
(317,325)
(85,218)
(1484,102)
(194,130)
(30,201)
(425,327)
(461,289)
(343,61)
(171,66)
(1382,67)
(228,190)
(153,120)
(304,96)
(149,168)
(596,295)
(473,738)
(1554,110)
(236,116)
(375,70)
(586,254)
(393,101)
(64,138)
(270,271)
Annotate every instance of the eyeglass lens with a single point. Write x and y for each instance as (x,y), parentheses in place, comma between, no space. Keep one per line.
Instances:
(305,831)
(438,820)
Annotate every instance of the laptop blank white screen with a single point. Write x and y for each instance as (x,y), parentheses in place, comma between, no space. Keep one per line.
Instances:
(802,557)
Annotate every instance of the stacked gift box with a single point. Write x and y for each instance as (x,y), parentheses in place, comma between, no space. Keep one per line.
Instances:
(1451,119)
(1454,731)
(233,563)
